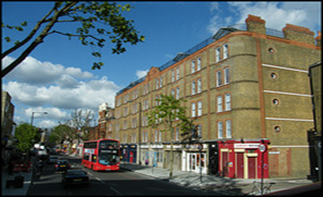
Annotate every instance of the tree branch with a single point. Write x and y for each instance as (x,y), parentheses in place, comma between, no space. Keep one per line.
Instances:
(32,33)
(38,40)
(68,34)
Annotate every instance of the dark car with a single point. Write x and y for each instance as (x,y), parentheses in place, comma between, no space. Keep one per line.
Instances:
(52,159)
(75,177)
(62,165)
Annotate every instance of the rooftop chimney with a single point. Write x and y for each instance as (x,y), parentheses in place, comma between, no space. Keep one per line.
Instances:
(256,24)
(318,39)
(298,33)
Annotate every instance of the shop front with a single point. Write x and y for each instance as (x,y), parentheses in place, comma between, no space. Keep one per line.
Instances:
(245,159)
(195,158)
(177,157)
(129,152)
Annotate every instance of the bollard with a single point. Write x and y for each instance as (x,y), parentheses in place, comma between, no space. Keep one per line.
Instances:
(19,181)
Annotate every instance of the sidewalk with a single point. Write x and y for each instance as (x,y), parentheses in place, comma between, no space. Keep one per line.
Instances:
(224,185)
(12,191)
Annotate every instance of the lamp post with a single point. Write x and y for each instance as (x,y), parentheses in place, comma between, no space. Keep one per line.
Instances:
(32,120)
(32,116)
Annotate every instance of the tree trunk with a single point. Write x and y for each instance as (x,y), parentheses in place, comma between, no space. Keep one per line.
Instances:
(171,159)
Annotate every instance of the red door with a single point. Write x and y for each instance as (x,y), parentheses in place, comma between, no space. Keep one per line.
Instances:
(240,167)
(251,167)
(131,157)
(225,169)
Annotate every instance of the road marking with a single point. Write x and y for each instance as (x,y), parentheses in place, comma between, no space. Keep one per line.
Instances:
(116,191)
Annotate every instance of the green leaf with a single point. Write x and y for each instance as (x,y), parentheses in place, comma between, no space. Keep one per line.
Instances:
(19,28)
(24,23)
(7,39)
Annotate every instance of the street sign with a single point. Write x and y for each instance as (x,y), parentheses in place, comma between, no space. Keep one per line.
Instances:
(262,148)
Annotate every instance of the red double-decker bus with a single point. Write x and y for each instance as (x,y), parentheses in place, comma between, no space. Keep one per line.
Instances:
(101,155)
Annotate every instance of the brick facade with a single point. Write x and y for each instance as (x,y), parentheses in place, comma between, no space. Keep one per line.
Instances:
(245,86)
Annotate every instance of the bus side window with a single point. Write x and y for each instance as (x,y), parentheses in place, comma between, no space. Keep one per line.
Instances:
(93,158)
(86,157)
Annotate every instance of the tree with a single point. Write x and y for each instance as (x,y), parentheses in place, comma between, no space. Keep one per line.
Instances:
(74,128)
(169,113)
(25,134)
(90,16)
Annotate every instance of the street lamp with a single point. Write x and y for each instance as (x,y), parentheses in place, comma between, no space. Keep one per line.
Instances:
(32,116)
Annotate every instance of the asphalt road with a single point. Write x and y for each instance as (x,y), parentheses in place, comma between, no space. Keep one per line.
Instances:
(120,183)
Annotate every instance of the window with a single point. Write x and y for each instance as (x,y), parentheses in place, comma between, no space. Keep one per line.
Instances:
(218,78)
(125,111)
(145,104)
(161,82)
(157,97)
(118,102)
(226,76)
(145,136)
(125,124)
(199,131)
(228,129)
(220,130)
(275,101)
(118,127)
(173,75)
(227,102)
(144,120)
(126,98)
(273,75)
(193,110)
(177,134)
(199,108)
(193,87)
(173,92)
(199,85)
(177,93)
(160,135)
(217,54)
(198,64)
(157,83)
(225,51)
(156,135)
(133,138)
(177,73)
(219,104)
(134,123)
(193,66)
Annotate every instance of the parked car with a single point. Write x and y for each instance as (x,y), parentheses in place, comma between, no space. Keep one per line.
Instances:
(62,165)
(75,177)
(52,159)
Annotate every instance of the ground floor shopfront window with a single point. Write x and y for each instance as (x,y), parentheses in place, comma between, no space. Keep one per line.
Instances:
(196,162)
(243,159)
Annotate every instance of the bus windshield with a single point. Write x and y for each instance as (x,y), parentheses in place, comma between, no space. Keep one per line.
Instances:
(109,157)
(109,152)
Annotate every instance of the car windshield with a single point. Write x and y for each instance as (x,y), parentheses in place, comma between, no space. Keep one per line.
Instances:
(62,162)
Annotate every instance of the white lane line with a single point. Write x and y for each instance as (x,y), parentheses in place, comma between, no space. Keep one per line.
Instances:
(116,191)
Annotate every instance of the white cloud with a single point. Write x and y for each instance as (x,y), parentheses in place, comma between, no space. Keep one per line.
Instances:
(141,73)
(214,7)
(33,71)
(55,89)
(276,14)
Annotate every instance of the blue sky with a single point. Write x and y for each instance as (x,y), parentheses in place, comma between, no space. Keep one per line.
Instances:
(57,76)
